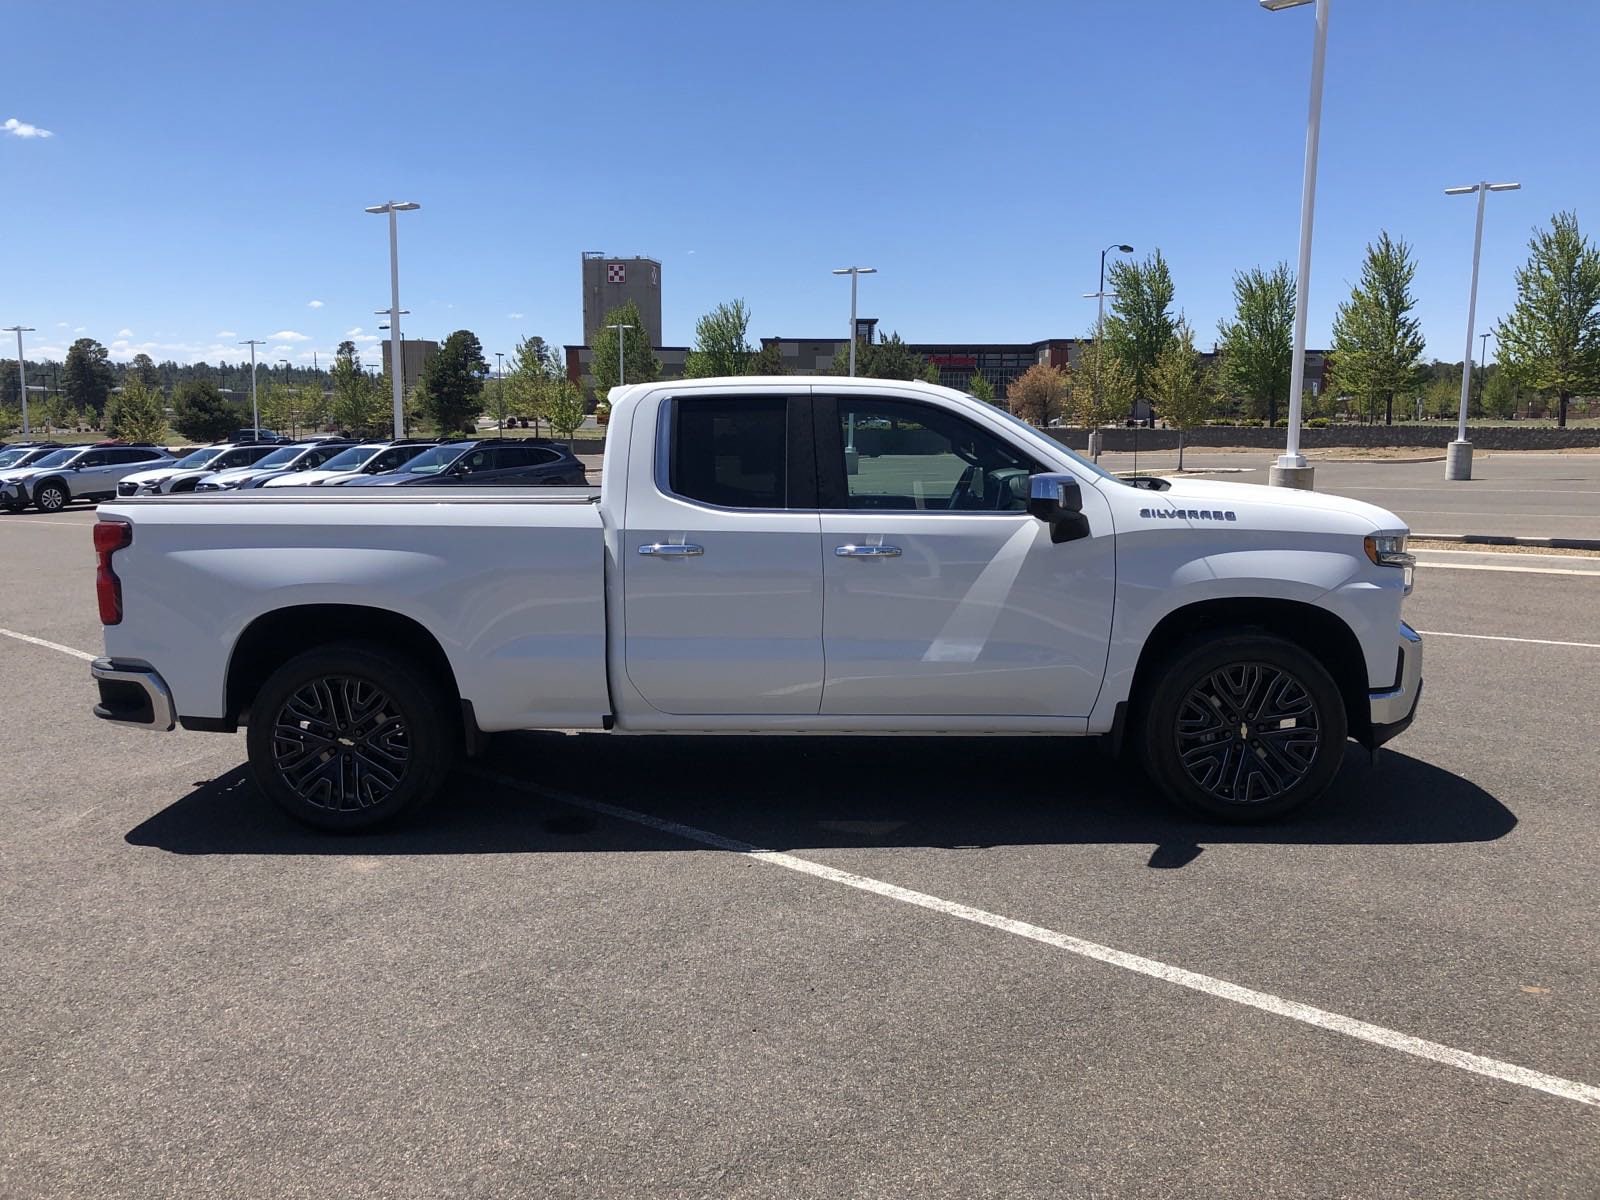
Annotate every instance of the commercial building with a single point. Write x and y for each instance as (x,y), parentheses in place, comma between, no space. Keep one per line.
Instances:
(609,283)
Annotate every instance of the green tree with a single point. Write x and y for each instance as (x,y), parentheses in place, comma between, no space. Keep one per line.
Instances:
(1551,338)
(357,405)
(10,418)
(143,368)
(639,359)
(1377,343)
(890,358)
(10,392)
(721,344)
(768,360)
(200,413)
(565,408)
(1500,396)
(1442,398)
(312,404)
(1039,394)
(136,414)
(980,387)
(1180,387)
(88,377)
(452,383)
(1258,344)
(280,408)
(54,412)
(1100,387)
(1141,324)
(535,369)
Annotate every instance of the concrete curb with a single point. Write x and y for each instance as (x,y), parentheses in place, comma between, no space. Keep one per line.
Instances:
(1498,539)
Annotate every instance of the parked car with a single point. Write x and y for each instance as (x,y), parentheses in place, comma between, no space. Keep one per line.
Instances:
(485,463)
(258,435)
(183,475)
(738,570)
(299,456)
(369,458)
(71,473)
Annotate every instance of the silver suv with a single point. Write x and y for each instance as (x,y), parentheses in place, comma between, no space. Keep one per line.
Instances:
(75,473)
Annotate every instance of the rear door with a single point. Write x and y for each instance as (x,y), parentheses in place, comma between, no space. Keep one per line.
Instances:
(721,558)
(943,596)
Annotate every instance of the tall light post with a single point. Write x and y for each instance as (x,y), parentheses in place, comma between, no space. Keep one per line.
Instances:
(500,384)
(1483,364)
(255,411)
(1458,456)
(1099,326)
(622,346)
(855,274)
(1291,469)
(393,207)
(22,373)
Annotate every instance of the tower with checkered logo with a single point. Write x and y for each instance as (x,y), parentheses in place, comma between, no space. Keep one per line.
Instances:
(609,282)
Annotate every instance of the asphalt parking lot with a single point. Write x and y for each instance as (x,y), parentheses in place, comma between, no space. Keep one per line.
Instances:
(968,969)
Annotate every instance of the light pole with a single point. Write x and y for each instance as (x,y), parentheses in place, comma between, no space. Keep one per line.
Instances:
(500,385)
(255,412)
(1099,325)
(294,417)
(622,345)
(1458,455)
(22,372)
(393,207)
(1291,469)
(855,274)
(1483,365)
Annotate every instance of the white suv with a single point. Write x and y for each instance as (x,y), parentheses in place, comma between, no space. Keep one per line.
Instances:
(75,473)
(181,476)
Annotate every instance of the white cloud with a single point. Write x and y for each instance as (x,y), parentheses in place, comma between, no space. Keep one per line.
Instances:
(22,129)
(513,316)
(288,335)
(124,333)
(314,304)
(368,337)
(283,349)
(81,329)
(226,333)
(61,325)
(350,333)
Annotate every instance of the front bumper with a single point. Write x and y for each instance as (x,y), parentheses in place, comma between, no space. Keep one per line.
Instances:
(1393,709)
(132,693)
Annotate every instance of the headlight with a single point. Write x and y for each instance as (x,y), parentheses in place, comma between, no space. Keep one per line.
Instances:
(155,483)
(1388,550)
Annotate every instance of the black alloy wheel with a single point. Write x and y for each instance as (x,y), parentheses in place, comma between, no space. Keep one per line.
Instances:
(340,743)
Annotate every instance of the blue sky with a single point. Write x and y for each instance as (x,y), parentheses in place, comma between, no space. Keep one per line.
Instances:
(208,163)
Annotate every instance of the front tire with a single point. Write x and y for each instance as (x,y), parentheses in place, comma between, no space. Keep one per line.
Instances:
(51,497)
(348,737)
(1243,727)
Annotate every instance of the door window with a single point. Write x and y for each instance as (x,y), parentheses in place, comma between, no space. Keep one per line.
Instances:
(899,455)
(731,451)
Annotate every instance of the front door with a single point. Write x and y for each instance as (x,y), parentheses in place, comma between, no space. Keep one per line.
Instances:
(721,556)
(943,596)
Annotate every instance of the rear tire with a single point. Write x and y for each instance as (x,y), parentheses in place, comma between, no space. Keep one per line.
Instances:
(51,497)
(1243,727)
(348,737)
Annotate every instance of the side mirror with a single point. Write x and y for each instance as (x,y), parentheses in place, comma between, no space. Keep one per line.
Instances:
(1057,500)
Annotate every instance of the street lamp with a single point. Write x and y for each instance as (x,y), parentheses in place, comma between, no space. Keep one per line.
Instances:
(855,274)
(255,412)
(22,373)
(622,344)
(500,384)
(1291,469)
(1458,455)
(1099,325)
(393,207)
(1483,364)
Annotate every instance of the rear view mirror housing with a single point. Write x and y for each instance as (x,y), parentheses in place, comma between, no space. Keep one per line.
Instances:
(1057,500)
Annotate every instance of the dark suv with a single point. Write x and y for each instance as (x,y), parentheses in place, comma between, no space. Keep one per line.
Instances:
(486,463)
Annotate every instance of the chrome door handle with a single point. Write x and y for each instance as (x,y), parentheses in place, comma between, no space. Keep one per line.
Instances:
(853,551)
(672,550)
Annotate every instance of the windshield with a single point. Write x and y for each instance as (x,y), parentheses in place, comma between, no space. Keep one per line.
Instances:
(10,458)
(435,460)
(281,458)
(350,459)
(1077,458)
(200,457)
(57,458)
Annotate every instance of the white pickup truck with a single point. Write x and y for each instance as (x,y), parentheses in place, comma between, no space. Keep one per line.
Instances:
(784,555)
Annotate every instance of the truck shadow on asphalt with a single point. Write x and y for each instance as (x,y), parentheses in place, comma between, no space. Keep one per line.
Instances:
(825,792)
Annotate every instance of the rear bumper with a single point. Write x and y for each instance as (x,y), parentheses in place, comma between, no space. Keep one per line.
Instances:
(132,693)
(1393,709)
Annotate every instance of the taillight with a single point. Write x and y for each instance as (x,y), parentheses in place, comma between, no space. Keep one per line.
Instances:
(109,537)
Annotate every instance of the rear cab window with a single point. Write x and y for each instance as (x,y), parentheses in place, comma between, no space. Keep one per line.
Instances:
(731,451)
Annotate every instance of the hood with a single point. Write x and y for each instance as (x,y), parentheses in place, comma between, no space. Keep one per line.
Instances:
(298,477)
(1262,506)
(161,472)
(16,473)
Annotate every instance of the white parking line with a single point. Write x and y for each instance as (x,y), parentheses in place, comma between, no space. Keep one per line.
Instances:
(1293,1010)
(1489,637)
(23,637)
(1512,570)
